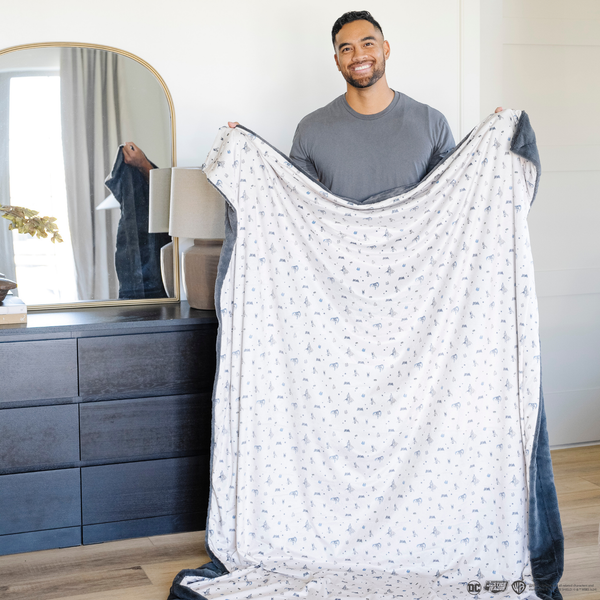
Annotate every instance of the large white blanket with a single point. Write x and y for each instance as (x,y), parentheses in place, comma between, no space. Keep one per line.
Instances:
(378,384)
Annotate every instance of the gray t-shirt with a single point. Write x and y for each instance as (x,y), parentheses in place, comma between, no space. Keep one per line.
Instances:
(357,156)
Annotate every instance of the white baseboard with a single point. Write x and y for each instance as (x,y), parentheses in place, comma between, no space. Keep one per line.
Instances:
(579,445)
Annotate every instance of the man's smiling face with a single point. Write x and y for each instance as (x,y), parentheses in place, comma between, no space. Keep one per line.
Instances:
(360,53)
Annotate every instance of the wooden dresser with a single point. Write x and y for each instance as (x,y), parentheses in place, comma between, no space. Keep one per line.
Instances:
(105,418)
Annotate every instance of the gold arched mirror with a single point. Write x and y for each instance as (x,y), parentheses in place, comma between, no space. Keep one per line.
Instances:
(65,110)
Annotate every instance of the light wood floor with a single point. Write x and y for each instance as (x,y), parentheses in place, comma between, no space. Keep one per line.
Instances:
(143,569)
(577,478)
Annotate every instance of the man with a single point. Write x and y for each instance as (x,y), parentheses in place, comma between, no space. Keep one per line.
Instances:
(372,138)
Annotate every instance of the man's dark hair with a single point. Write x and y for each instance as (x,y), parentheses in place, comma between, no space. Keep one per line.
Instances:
(349,17)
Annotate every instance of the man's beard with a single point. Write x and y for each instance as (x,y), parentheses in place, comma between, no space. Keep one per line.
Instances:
(377,75)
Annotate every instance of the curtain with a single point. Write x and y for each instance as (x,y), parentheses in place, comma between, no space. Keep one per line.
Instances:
(7,259)
(92,129)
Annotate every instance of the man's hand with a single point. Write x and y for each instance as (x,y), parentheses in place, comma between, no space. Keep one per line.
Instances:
(499,109)
(134,157)
(232,124)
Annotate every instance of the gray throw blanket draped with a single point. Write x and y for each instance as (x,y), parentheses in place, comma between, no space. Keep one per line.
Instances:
(137,258)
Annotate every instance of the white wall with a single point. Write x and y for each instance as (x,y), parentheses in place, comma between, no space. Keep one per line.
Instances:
(550,57)
(264,63)
(146,104)
(31,60)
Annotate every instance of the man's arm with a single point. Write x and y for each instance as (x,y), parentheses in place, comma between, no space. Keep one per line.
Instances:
(134,157)
(297,156)
(445,144)
(300,157)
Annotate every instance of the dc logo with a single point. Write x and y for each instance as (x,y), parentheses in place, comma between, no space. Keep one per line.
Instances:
(473,587)
(519,586)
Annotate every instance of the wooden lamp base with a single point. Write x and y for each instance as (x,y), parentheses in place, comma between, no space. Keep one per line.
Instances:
(199,265)
(166,269)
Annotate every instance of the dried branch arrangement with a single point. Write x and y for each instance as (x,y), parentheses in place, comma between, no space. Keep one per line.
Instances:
(25,220)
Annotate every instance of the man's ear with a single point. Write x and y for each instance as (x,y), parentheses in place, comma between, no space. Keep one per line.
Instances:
(337,62)
(386,49)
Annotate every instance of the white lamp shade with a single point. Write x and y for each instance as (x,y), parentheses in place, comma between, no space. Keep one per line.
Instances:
(197,208)
(160,200)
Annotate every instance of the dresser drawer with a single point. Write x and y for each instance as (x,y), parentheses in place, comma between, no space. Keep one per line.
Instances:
(38,438)
(149,364)
(37,501)
(121,530)
(145,489)
(53,362)
(146,427)
(33,541)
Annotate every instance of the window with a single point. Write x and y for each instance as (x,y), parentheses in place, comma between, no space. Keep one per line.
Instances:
(45,271)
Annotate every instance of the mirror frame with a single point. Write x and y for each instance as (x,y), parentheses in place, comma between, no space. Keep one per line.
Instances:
(176,277)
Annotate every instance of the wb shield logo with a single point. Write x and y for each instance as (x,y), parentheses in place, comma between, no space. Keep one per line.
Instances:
(473,587)
(518,586)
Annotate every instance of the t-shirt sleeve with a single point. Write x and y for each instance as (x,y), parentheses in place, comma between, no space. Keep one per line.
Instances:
(299,156)
(443,146)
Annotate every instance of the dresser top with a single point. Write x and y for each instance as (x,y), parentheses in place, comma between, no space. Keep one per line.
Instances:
(107,321)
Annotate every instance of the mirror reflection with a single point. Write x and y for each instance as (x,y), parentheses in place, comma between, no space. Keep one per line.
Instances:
(65,114)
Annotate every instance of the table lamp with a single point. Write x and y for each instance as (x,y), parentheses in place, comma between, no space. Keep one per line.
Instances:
(197,210)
